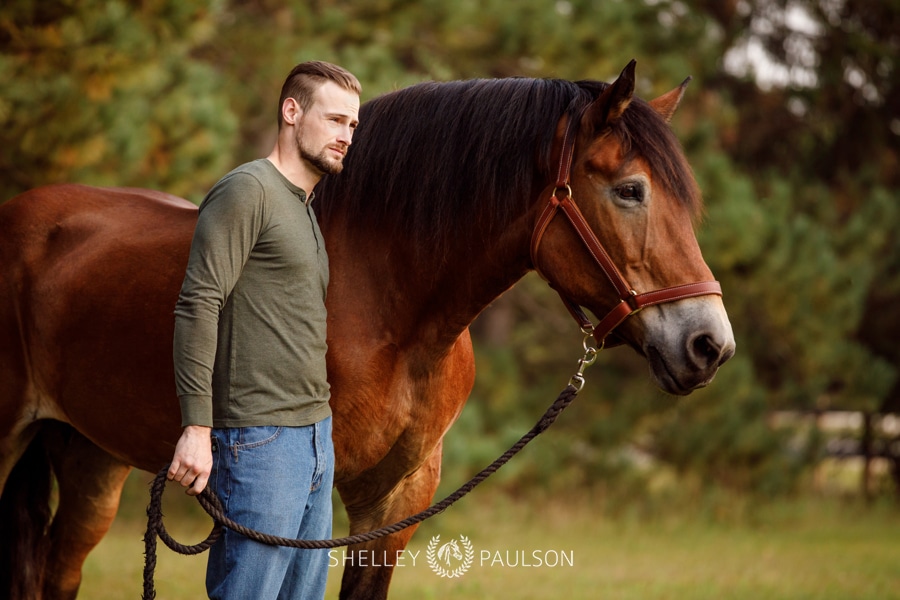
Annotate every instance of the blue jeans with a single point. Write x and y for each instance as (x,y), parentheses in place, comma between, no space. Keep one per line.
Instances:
(276,480)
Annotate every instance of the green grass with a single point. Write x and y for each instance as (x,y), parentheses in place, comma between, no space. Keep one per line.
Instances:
(720,549)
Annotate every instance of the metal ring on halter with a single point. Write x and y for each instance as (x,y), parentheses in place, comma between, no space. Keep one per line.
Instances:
(566,187)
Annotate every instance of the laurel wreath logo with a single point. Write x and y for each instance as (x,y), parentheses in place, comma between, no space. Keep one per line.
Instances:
(441,557)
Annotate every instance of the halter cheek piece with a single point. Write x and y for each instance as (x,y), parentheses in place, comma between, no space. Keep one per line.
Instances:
(630,301)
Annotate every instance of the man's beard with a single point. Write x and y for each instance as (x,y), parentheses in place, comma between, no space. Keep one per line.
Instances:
(320,161)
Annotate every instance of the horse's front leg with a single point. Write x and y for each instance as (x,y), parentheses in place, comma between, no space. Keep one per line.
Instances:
(413,494)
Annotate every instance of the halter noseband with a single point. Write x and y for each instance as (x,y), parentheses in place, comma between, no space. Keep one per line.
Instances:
(630,301)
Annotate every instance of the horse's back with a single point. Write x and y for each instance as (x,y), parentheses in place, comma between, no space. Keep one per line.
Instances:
(88,283)
(86,236)
(34,217)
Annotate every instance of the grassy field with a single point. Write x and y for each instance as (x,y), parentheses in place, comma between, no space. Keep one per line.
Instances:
(721,550)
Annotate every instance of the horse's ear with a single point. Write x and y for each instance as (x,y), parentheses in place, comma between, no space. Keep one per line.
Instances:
(666,104)
(609,105)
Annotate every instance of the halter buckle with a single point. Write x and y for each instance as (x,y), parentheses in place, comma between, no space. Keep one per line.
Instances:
(632,302)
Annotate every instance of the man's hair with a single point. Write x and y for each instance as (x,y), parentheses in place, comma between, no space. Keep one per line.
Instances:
(304,79)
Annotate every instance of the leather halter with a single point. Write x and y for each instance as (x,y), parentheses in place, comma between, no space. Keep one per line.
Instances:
(630,301)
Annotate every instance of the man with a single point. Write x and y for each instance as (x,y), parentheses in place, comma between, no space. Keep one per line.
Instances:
(250,347)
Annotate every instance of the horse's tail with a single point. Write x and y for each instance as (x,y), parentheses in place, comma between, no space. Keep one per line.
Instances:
(24,518)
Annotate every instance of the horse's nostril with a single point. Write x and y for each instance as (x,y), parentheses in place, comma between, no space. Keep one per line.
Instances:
(706,351)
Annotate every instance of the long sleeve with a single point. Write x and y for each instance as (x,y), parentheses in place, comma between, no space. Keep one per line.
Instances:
(230,220)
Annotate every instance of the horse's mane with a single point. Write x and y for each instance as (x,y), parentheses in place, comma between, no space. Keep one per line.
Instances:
(429,161)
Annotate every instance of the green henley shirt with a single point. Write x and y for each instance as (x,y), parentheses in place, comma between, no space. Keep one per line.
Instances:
(250,321)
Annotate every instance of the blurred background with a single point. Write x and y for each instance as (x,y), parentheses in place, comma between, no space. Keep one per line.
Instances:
(792,126)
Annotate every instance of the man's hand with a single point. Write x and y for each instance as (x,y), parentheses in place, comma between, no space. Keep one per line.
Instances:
(192,462)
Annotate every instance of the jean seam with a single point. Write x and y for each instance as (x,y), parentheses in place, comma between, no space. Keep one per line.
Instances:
(319,448)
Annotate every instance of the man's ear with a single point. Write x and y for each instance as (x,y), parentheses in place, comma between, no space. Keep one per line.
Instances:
(291,111)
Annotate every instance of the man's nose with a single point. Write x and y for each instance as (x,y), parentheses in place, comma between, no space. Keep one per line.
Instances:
(346,135)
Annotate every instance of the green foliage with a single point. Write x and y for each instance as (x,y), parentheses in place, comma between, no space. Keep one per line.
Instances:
(798,281)
(726,439)
(108,93)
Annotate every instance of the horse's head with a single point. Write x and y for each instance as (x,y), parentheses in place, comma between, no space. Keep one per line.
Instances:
(620,165)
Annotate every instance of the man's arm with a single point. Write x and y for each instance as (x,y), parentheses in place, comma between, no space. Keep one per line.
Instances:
(227,228)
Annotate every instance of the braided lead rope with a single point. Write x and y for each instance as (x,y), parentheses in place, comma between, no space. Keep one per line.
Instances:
(211,504)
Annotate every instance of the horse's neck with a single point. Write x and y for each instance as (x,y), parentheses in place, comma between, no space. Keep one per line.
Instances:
(426,299)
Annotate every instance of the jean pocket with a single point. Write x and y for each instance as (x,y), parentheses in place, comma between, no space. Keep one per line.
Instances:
(255,437)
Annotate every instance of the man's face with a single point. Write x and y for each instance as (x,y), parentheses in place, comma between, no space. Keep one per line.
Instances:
(325,131)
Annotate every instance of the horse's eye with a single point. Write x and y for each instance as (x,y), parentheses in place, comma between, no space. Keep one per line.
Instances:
(630,191)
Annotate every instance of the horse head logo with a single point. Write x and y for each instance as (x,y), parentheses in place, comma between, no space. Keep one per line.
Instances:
(442,557)
(449,551)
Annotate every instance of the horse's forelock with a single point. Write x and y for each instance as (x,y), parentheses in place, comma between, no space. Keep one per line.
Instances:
(645,132)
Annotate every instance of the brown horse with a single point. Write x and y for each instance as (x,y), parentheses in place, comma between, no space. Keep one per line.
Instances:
(431,220)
